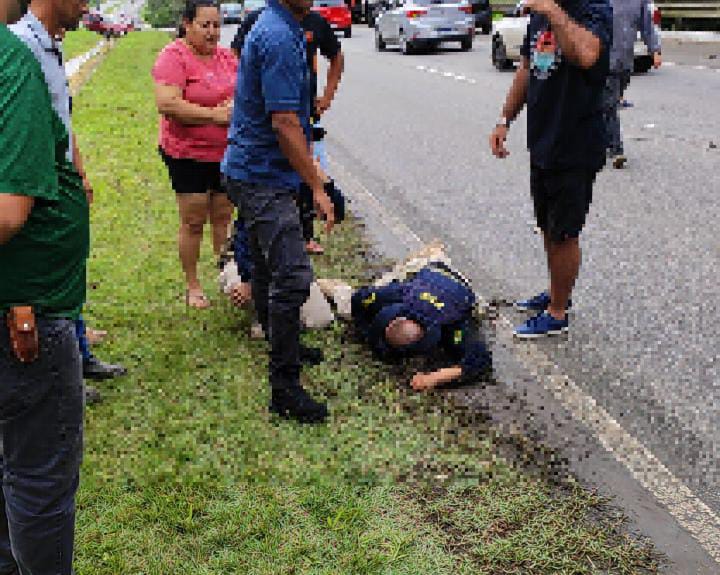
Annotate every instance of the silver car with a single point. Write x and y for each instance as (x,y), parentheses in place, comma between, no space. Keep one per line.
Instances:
(415,24)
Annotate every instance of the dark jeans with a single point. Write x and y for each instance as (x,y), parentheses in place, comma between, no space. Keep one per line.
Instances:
(41,430)
(281,272)
(615,86)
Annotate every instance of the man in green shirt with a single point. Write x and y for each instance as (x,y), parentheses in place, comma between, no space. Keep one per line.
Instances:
(44,242)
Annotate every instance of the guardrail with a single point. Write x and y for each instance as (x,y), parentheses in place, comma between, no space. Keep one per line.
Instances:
(704,14)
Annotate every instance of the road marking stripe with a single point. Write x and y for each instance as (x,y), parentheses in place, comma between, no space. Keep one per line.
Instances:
(690,512)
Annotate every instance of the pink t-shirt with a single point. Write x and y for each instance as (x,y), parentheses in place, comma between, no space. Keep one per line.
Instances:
(207,83)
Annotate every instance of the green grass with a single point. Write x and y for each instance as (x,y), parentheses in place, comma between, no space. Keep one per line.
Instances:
(184,470)
(78,42)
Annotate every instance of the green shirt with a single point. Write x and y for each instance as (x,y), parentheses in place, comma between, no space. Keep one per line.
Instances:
(43,265)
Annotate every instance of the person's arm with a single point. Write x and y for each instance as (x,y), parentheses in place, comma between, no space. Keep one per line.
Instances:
(294,146)
(170,103)
(427,381)
(14,212)
(579,45)
(80,167)
(334,74)
(650,34)
(514,104)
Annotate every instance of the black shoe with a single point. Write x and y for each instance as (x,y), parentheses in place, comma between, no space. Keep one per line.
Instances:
(311,355)
(295,403)
(98,370)
(92,395)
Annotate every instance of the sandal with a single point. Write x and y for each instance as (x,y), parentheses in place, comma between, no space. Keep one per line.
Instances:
(196,300)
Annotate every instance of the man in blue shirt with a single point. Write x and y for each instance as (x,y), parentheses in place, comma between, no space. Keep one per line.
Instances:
(268,155)
(629,17)
(561,77)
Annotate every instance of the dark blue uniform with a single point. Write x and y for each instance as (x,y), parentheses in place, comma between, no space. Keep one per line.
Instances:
(441,302)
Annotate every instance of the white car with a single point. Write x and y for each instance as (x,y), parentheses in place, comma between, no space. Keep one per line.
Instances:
(508,35)
(415,24)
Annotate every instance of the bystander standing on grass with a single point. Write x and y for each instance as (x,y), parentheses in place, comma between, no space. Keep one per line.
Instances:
(44,240)
(194,84)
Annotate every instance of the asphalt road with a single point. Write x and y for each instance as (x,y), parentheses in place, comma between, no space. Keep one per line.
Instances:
(412,131)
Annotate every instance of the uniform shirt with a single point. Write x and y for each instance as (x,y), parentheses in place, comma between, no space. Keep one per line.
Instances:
(629,17)
(440,303)
(43,265)
(49,54)
(318,34)
(564,102)
(207,83)
(272,77)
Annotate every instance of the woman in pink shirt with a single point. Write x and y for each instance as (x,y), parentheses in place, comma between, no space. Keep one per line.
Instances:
(194,86)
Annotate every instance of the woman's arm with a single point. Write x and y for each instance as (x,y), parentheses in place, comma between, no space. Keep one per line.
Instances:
(170,103)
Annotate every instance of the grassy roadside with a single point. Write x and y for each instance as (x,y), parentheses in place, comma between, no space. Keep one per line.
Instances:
(78,42)
(184,470)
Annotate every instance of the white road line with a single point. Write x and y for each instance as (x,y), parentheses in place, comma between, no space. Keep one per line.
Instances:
(420,67)
(460,78)
(432,70)
(643,465)
(448,74)
(701,67)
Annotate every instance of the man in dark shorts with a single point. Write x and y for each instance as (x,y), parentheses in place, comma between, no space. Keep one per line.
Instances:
(561,77)
(267,157)
(319,36)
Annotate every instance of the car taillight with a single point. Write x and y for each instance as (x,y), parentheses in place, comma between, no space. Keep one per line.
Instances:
(415,13)
(657,17)
(467,9)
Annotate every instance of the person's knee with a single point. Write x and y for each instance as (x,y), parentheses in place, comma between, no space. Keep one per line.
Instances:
(193,227)
(291,287)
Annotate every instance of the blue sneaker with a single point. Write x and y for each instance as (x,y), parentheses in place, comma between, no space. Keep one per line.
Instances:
(538,303)
(541,325)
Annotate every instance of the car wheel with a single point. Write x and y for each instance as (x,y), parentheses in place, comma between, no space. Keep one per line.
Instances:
(347,33)
(379,42)
(499,54)
(486,29)
(466,44)
(406,45)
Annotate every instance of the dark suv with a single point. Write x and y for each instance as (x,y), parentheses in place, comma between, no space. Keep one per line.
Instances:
(483,15)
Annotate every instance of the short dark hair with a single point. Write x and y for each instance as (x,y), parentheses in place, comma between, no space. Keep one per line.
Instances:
(189,12)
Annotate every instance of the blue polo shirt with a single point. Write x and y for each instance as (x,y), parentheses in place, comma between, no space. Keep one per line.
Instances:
(272,77)
(565,103)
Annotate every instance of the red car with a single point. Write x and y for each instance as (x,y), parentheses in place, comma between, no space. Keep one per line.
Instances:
(336,13)
(96,22)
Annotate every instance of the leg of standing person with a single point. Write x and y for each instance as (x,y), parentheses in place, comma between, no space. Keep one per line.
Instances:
(41,427)
(193,210)
(220,211)
(281,283)
(614,87)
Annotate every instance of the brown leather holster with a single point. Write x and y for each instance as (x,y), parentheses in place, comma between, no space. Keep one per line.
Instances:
(23,333)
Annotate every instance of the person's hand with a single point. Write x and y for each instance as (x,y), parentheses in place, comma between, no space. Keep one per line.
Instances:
(89,192)
(324,207)
(241,294)
(544,7)
(657,60)
(322,104)
(497,141)
(422,381)
(222,114)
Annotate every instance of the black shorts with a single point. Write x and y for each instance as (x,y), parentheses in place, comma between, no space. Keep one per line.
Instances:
(192,176)
(562,200)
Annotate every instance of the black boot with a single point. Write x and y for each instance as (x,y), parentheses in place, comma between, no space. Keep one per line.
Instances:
(295,403)
(311,355)
(98,370)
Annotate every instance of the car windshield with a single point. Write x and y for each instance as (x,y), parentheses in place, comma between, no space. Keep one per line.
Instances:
(327,3)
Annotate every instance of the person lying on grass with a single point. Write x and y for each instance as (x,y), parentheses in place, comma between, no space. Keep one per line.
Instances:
(422,307)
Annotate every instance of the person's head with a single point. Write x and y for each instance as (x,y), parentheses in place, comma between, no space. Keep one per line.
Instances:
(59,14)
(12,10)
(300,8)
(201,25)
(402,332)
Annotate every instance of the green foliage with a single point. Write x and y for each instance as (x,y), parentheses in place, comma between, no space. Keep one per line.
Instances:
(185,471)
(78,42)
(163,13)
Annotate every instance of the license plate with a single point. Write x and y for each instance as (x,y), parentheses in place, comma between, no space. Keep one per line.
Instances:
(443,29)
(333,25)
